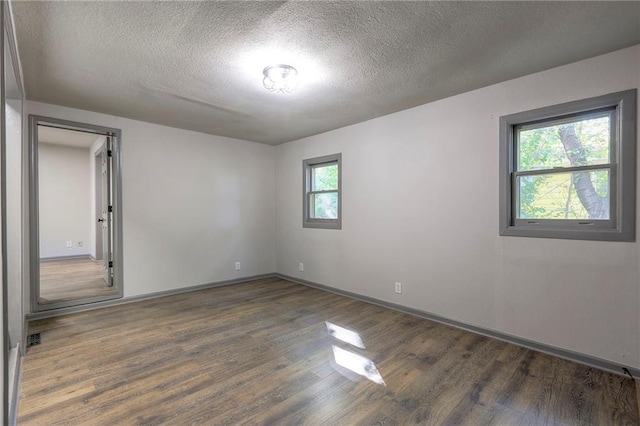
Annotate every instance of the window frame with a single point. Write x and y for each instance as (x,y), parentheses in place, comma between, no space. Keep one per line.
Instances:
(620,226)
(307,168)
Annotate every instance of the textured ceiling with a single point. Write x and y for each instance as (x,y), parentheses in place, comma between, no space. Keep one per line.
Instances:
(66,137)
(198,65)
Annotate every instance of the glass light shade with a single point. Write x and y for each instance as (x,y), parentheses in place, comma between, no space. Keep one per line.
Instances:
(280,78)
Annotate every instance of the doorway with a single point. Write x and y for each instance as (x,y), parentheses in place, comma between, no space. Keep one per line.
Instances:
(76,232)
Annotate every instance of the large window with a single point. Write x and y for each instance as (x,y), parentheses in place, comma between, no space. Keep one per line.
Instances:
(568,171)
(321,192)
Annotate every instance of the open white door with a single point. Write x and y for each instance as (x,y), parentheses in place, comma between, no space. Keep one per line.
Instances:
(106,219)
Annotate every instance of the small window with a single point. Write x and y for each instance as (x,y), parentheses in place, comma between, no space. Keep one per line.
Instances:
(321,191)
(568,171)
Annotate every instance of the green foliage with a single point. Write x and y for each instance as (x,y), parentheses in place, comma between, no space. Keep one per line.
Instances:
(325,178)
(326,206)
(528,191)
(553,196)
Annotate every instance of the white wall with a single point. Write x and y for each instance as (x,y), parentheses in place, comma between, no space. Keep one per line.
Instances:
(63,191)
(420,206)
(193,204)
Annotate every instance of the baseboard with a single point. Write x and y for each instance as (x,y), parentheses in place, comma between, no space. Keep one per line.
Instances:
(122,301)
(75,256)
(15,373)
(591,361)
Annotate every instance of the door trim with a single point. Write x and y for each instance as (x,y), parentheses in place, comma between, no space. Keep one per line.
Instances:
(34,237)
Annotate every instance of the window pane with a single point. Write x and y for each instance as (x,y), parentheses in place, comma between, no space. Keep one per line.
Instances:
(324,178)
(578,142)
(324,206)
(577,195)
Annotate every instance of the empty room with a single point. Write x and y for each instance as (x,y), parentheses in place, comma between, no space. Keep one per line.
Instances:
(320,212)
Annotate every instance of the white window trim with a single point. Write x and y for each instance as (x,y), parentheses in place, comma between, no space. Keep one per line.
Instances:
(307,166)
(621,227)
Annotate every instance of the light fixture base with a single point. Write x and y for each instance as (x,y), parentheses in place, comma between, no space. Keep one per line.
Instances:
(280,78)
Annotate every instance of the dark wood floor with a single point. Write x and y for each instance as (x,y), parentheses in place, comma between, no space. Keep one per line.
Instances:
(262,353)
(70,279)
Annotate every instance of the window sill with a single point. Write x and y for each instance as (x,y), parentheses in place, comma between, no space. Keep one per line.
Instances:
(596,234)
(323,225)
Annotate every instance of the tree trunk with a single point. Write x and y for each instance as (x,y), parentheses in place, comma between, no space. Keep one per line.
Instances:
(596,206)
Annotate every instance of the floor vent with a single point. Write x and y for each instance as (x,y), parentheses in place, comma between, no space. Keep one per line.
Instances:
(33,339)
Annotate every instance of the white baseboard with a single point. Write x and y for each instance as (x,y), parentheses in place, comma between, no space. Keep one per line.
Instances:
(75,256)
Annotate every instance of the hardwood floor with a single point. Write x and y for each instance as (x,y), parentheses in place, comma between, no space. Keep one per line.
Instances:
(261,353)
(71,279)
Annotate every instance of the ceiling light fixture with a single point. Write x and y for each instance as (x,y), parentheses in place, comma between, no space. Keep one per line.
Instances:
(280,78)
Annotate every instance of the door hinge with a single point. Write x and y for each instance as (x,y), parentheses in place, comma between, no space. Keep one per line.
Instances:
(110,209)
(109,153)
(111,264)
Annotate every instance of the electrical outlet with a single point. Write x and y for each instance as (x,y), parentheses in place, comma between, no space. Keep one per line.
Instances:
(80,243)
(301,266)
(398,288)
(237,266)
(69,244)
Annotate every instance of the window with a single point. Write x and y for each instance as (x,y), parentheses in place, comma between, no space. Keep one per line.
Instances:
(321,192)
(568,171)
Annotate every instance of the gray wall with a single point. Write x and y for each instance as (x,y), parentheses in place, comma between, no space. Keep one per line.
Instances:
(420,206)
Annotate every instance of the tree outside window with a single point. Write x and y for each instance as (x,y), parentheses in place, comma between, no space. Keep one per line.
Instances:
(568,170)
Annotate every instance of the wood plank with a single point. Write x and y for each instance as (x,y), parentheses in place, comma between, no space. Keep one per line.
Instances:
(70,279)
(260,353)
